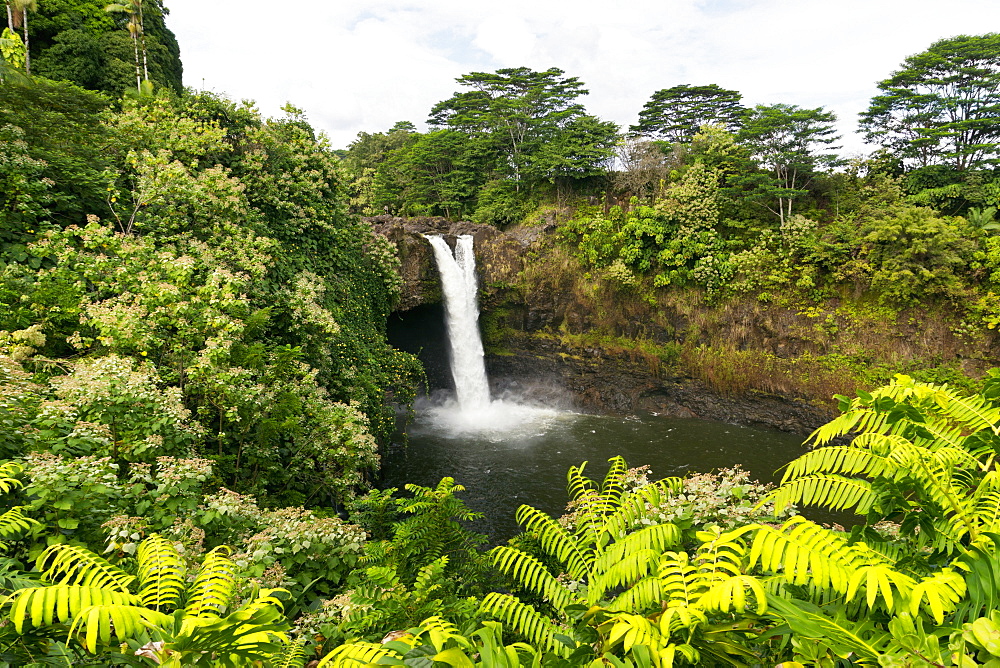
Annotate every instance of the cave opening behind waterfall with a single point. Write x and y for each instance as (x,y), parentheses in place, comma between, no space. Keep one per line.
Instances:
(422,332)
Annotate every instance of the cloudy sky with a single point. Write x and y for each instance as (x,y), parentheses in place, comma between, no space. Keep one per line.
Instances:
(358,65)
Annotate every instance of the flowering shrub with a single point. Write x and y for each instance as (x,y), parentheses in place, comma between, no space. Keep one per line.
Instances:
(724,499)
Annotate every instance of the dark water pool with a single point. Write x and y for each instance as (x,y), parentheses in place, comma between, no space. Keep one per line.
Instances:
(509,455)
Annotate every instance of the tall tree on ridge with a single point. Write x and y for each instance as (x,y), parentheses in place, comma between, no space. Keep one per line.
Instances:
(521,113)
(135,28)
(791,143)
(942,106)
(676,114)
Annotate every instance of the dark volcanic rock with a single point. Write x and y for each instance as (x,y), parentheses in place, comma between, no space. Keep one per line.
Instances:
(604,384)
(498,255)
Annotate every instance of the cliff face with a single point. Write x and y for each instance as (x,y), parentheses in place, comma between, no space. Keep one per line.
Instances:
(615,348)
(499,256)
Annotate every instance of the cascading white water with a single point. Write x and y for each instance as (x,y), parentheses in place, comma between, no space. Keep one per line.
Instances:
(459,285)
(472,411)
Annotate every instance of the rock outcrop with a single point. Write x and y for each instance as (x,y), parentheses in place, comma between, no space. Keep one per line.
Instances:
(499,256)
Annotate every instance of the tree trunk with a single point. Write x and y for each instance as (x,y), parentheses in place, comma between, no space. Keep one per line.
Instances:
(10,18)
(138,72)
(27,43)
(142,34)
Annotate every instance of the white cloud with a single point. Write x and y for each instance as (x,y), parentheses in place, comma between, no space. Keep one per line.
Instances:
(361,66)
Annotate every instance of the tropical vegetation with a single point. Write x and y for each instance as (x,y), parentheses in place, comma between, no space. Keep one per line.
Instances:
(196,386)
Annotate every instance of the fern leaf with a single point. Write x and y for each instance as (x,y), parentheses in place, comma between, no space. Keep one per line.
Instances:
(731,594)
(44,606)
(879,580)
(14,522)
(441,631)
(806,553)
(213,586)
(679,580)
(8,472)
(355,655)
(73,565)
(635,565)
(292,655)
(99,622)
(161,573)
(578,484)
(612,488)
(974,412)
(852,459)
(524,619)
(557,542)
(532,574)
(642,595)
(656,538)
(634,507)
(826,490)
(941,592)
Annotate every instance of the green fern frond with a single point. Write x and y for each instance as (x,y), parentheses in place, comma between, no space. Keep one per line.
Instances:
(557,542)
(613,487)
(292,655)
(161,573)
(634,507)
(73,565)
(253,633)
(642,595)
(101,622)
(428,575)
(634,565)
(680,618)
(656,538)
(577,484)
(974,412)
(14,522)
(879,580)
(441,631)
(826,490)
(8,480)
(731,594)
(524,619)
(531,574)
(213,586)
(940,593)
(842,459)
(806,553)
(45,606)
(357,654)
(725,553)
(679,580)
(987,506)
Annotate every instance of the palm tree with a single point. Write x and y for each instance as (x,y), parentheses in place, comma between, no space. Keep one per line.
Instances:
(17,16)
(135,28)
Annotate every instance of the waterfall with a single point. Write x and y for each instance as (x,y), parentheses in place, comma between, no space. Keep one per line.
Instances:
(459,285)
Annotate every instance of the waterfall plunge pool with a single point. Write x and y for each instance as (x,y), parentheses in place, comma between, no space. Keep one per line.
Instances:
(507,453)
(523,456)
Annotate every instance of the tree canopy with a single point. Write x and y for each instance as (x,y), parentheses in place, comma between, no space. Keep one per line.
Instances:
(531,120)
(942,105)
(675,114)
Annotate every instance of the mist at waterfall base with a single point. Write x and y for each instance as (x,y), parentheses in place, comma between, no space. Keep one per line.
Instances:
(510,445)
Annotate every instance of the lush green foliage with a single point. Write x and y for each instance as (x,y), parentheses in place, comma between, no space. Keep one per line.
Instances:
(78,41)
(676,114)
(940,107)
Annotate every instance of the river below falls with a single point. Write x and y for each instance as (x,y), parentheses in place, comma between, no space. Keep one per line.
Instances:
(508,454)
